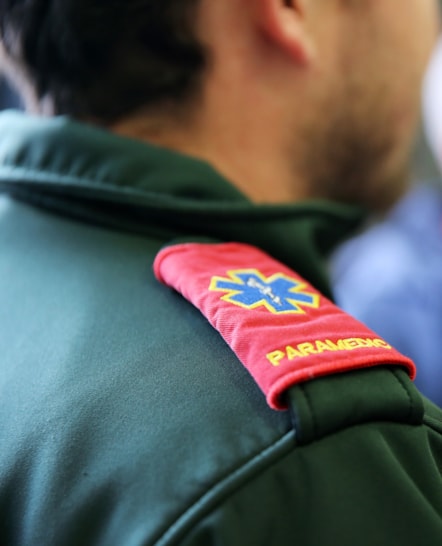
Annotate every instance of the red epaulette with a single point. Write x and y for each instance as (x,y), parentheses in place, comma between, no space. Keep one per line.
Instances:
(281,328)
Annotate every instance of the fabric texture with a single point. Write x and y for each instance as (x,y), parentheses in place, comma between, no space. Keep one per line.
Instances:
(126,418)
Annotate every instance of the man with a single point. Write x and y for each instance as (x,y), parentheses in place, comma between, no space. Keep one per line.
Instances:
(127,419)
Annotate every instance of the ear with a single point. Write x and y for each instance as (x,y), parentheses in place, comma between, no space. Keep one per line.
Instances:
(284,23)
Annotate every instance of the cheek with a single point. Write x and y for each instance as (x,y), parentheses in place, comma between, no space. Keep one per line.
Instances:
(403,36)
(419,33)
(404,59)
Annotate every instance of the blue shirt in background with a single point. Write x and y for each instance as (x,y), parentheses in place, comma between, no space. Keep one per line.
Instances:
(390,277)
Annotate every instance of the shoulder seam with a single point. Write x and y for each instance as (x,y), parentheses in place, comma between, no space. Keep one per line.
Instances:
(224,488)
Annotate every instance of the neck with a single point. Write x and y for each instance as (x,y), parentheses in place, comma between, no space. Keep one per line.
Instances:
(246,148)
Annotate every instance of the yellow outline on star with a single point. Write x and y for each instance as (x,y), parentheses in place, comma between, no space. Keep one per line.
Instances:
(234,279)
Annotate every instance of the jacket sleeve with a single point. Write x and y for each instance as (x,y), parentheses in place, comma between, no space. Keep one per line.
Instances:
(375,482)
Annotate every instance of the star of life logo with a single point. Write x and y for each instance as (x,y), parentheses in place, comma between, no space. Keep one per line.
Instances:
(279,294)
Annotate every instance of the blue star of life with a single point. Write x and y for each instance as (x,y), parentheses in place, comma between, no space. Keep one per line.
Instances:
(278,293)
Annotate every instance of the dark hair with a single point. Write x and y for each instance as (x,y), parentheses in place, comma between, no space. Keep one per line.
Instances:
(103,59)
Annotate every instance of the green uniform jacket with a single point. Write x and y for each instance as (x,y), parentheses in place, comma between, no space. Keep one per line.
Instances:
(126,420)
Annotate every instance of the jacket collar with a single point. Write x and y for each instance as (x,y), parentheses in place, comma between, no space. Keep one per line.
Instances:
(96,176)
